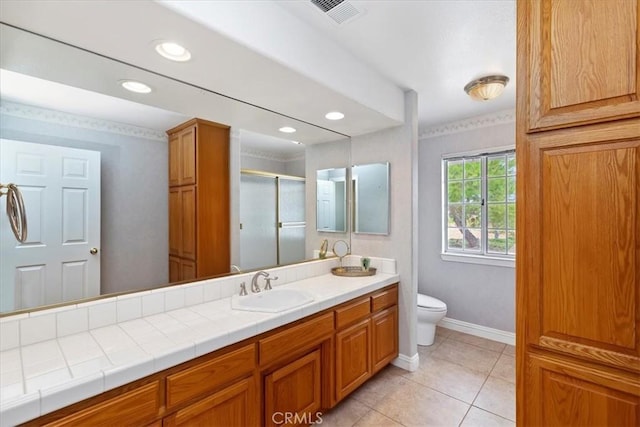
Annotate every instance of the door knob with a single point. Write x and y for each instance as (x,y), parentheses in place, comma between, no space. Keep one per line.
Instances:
(93,251)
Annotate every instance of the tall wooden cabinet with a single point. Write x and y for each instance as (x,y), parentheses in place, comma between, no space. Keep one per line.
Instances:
(578,269)
(199,206)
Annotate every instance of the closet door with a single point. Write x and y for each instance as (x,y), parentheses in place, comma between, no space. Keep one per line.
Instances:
(291,225)
(258,235)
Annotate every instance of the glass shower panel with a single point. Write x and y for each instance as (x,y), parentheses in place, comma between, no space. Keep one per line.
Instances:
(292,220)
(258,233)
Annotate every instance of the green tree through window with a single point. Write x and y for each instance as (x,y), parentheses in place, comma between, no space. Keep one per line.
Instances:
(480,204)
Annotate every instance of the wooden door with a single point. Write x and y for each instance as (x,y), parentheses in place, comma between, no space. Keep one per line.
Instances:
(182,221)
(234,406)
(61,192)
(384,332)
(353,357)
(292,393)
(578,270)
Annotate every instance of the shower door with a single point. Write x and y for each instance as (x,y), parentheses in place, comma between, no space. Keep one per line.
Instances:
(272,223)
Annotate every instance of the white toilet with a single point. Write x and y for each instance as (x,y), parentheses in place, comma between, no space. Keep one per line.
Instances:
(430,311)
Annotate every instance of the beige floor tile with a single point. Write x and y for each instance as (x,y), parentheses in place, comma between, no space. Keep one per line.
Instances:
(505,368)
(383,383)
(449,378)
(376,419)
(478,418)
(467,355)
(442,332)
(426,350)
(417,405)
(345,414)
(509,350)
(477,341)
(499,397)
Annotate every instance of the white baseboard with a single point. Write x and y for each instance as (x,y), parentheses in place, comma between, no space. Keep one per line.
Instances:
(407,363)
(479,331)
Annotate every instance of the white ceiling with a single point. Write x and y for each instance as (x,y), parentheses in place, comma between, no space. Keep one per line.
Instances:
(288,57)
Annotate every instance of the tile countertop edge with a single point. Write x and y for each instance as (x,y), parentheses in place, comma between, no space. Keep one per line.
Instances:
(32,405)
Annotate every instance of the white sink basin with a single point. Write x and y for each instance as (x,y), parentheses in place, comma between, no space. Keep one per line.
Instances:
(272,301)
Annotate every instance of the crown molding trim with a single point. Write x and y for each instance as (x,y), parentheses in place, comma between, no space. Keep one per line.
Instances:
(478,122)
(264,155)
(15,109)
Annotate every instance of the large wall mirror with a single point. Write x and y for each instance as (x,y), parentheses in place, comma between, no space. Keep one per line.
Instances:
(56,97)
(370,192)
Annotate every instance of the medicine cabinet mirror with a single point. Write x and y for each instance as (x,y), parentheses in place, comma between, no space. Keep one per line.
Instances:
(370,192)
(331,192)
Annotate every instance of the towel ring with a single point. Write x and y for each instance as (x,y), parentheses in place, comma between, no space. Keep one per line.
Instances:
(15,211)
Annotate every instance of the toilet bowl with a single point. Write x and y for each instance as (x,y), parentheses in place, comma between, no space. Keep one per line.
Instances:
(430,311)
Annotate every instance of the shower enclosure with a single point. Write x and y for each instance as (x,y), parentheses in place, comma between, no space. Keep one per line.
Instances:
(272,219)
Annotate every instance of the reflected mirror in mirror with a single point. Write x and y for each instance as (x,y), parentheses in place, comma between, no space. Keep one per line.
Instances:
(331,203)
(370,185)
(56,96)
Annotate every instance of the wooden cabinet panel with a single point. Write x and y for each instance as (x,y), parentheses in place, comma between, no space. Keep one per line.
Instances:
(188,226)
(584,258)
(234,406)
(175,221)
(353,358)
(581,58)
(210,375)
(188,154)
(174,269)
(136,407)
(295,338)
(384,333)
(174,160)
(567,394)
(188,269)
(384,299)
(294,389)
(353,312)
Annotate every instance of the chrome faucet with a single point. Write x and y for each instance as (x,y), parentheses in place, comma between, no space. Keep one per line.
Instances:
(255,288)
(267,287)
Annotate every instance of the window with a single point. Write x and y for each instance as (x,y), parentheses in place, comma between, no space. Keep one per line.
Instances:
(480,205)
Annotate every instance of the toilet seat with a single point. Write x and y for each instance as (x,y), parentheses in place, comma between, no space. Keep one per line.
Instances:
(431,303)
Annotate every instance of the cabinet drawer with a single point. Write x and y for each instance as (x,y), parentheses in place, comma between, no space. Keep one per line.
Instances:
(352,313)
(136,407)
(283,343)
(210,375)
(384,299)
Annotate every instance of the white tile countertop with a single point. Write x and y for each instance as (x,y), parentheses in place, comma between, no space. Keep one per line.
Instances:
(100,345)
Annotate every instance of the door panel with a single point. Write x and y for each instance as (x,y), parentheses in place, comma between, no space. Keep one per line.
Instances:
(575,76)
(60,186)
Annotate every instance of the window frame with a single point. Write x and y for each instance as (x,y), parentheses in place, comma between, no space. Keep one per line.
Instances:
(483,256)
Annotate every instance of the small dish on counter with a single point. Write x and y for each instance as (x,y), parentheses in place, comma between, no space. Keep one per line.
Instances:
(353,271)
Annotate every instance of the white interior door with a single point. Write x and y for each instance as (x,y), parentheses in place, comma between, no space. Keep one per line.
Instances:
(326,206)
(61,191)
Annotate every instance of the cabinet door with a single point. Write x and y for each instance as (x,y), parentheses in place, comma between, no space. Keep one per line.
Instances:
(384,326)
(174,269)
(188,269)
(187,169)
(292,393)
(175,221)
(174,160)
(236,405)
(188,222)
(353,357)
(136,407)
(578,61)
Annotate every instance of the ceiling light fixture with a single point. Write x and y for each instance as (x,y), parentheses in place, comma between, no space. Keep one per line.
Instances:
(486,88)
(334,115)
(134,86)
(173,51)
(296,142)
(287,129)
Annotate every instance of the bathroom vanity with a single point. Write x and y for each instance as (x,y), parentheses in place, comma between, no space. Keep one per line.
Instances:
(301,361)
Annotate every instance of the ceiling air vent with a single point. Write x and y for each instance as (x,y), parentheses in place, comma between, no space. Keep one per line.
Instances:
(340,11)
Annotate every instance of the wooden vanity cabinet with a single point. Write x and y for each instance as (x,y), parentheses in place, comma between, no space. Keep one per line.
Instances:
(199,200)
(366,340)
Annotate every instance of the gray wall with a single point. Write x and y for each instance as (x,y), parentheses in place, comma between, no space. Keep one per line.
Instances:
(134,198)
(399,147)
(479,294)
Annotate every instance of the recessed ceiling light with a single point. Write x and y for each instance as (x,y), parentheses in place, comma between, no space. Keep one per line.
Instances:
(297,142)
(334,115)
(134,86)
(287,129)
(173,51)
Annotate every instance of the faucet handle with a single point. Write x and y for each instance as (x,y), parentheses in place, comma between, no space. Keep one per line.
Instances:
(243,289)
(268,285)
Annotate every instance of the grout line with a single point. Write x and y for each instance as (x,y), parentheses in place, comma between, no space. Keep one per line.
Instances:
(493,413)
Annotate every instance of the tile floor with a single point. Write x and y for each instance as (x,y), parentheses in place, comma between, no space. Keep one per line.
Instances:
(462,381)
